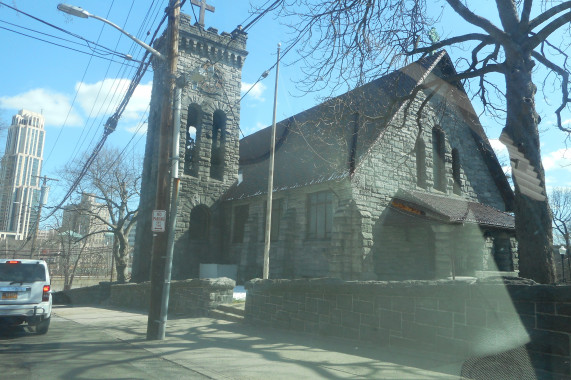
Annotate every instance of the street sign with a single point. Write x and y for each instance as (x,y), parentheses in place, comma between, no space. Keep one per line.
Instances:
(159,220)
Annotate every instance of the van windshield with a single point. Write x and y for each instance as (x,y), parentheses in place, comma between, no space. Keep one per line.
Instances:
(22,272)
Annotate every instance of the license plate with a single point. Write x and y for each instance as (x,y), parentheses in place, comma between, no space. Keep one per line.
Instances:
(10,296)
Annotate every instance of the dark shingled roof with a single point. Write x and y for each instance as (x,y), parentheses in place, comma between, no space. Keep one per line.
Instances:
(322,144)
(456,210)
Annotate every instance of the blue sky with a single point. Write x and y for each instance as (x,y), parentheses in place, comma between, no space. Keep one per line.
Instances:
(76,92)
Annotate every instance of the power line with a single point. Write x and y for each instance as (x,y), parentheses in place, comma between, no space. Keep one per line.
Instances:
(109,95)
(111,123)
(133,84)
(88,42)
(50,24)
(102,51)
(262,14)
(70,48)
(242,30)
(78,89)
(116,88)
(119,156)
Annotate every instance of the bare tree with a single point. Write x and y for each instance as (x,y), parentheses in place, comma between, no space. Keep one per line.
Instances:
(343,44)
(72,248)
(560,200)
(65,251)
(114,181)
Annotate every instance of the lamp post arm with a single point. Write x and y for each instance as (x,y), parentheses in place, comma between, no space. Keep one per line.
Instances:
(144,45)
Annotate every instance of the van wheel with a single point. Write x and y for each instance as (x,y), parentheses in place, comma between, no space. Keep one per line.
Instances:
(41,327)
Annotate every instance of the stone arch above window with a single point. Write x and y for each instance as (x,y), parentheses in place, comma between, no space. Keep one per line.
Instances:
(420,150)
(193,132)
(456,171)
(218,148)
(199,223)
(438,152)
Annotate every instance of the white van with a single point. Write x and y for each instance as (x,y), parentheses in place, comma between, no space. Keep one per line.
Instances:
(25,292)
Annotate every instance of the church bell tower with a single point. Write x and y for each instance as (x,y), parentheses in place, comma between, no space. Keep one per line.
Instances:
(209,73)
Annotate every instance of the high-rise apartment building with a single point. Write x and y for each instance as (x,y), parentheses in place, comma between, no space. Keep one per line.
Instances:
(19,174)
(85,218)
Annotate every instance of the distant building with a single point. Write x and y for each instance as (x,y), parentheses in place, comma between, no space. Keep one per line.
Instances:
(20,168)
(85,218)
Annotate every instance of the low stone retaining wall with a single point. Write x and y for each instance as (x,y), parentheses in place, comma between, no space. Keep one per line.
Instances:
(89,295)
(57,282)
(464,318)
(193,298)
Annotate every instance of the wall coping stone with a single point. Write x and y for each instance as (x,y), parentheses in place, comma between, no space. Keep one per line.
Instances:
(519,289)
(222,283)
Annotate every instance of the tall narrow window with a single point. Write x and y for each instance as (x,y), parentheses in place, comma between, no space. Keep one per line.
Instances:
(218,145)
(193,128)
(420,150)
(239,224)
(438,150)
(319,215)
(456,171)
(199,223)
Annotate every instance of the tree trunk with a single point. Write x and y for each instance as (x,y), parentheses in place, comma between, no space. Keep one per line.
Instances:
(66,283)
(121,258)
(532,217)
(121,269)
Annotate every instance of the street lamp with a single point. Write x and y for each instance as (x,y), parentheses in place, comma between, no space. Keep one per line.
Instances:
(82,13)
(562,252)
(159,280)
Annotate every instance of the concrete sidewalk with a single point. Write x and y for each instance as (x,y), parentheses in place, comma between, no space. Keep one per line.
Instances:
(227,350)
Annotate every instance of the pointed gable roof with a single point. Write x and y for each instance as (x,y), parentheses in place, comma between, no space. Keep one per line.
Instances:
(322,144)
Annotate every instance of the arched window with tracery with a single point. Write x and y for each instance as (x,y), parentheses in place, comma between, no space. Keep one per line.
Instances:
(438,152)
(218,148)
(193,131)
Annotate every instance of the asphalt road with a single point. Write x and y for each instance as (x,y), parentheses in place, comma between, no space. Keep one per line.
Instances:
(73,351)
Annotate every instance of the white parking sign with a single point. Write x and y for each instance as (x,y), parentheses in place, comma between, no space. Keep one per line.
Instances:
(159,220)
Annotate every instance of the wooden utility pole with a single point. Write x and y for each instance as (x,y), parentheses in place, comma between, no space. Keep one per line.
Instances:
(43,195)
(268,229)
(162,196)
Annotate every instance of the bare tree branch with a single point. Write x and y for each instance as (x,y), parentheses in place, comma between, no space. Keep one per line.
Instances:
(542,35)
(564,88)
(115,184)
(478,21)
(525,13)
(548,14)
(486,40)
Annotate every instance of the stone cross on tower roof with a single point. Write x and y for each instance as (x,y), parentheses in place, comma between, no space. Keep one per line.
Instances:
(203,8)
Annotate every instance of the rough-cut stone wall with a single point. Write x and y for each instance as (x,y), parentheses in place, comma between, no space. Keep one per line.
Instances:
(193,298)
(390,165)
(364,227)
(213,90)
(198,185)
(293,254)
(89,295)
(464,319)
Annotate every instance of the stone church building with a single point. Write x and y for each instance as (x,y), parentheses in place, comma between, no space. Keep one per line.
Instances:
(394,180)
